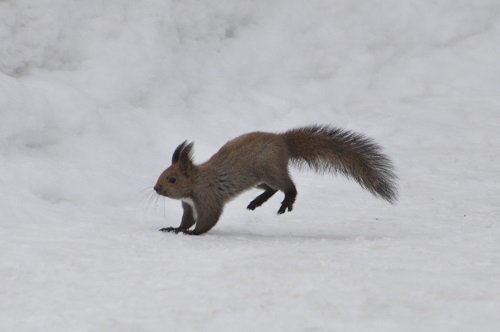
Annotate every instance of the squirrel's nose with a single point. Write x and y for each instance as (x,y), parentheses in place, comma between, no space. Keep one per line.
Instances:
(158,188)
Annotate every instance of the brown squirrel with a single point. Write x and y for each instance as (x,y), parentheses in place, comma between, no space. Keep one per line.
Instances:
(261,160)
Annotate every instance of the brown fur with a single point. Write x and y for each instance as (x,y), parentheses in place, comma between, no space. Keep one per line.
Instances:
(261,160)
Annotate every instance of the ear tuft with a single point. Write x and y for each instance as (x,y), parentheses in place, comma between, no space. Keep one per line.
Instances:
(186,158)
(183,155)
(177,152)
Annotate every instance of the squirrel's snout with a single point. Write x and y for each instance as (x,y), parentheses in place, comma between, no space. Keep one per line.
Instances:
(157,188)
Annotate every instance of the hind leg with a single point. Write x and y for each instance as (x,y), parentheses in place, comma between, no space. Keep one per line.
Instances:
(262,198)
(290,196)
(285,184)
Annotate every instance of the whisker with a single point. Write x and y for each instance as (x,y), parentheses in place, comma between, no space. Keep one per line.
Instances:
(156,201)
(148,197)
(148,201)
(144,198)
(152,201)
(147,188)
(164,209)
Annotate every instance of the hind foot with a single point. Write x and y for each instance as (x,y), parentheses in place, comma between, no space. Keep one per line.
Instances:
(285,206)
(262,198)
(253,204)
(287,203)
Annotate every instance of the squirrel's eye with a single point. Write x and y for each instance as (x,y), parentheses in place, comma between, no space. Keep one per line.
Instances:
(172,179)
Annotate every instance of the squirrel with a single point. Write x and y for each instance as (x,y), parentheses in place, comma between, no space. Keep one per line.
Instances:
(260,159)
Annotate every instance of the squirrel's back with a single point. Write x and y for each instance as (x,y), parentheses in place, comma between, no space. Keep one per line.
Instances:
(246,161)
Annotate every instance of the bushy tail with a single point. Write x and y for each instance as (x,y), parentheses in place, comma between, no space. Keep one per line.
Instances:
(325,148)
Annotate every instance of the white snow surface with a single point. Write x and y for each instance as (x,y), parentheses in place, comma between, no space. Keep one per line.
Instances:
(95,95)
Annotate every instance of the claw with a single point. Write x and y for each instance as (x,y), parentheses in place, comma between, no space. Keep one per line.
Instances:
(170,229)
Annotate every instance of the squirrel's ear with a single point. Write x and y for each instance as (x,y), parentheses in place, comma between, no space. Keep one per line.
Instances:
(177,152)
(186,158)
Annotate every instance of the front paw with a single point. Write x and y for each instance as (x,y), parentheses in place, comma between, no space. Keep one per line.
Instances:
(171,229)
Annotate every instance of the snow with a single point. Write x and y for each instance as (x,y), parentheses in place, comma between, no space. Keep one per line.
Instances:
(95,96)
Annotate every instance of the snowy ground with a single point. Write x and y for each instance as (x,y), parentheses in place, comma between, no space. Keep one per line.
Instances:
(95,95)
